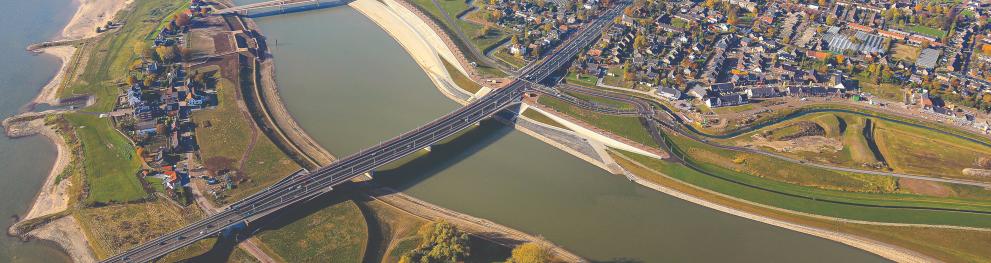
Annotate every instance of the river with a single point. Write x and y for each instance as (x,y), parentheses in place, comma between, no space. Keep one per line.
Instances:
(24,163)
(350,86)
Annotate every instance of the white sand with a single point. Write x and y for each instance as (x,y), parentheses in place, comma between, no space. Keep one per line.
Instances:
(91,14)
(52,198)
(66,232)
(49,92)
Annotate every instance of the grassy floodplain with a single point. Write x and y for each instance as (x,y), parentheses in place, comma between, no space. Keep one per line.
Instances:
(951,245)
(903,148)
(109,157)
(627,127)
(114,229)
(336,232)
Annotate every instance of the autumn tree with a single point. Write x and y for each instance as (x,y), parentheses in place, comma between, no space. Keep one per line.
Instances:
(441,242)
(182,20)
(131,80)
(167,54)
(530,253)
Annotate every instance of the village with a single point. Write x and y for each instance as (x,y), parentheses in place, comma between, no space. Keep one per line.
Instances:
(155,109)
(929,60)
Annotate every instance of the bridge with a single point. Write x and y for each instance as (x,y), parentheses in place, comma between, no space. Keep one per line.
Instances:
(303,187)
(281,4)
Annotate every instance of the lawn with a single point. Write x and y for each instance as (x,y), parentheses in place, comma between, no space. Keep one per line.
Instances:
(919,151)
(512,60)
(539,117)
(113,229)
(906,53)
(734,109)
(109,160)
(627,127)
(945,244)
(460,79)
(228,136)
(933,32)
(584,80)
(887,91)
(841,204)
(855,141)
(471,30)
(397,229)
(604,101)
(617,78)
(335,233)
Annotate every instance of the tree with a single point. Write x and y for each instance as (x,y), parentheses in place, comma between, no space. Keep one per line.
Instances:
(182,20)
(530,253)
(731,18)
(149,80)
(131,80)
(441,242)
(167,54)
(639,42)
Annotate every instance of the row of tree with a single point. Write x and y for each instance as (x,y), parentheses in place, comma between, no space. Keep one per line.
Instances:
(444,242)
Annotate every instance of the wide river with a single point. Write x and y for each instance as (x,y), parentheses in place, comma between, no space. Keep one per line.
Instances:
(351,86)
(24,163)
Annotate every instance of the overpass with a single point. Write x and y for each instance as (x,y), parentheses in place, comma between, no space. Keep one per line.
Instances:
(281,4)
(303,187)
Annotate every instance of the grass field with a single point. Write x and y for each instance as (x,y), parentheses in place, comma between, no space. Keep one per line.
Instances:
(336,233)
(229,137)
(460,79)
(109,160)
(824,202)
(886,91)
(617,78)
(115,228)
(854,141)
(537,116)
(918,151)
(906,53)
(945,244)
(397,229)
(627,127)
(933,32)
(584,80)
(471,30)
(604,101)
(734,109)
(513,60)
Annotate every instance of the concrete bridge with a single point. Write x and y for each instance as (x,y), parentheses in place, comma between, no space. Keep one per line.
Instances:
(282,5)
(302,187)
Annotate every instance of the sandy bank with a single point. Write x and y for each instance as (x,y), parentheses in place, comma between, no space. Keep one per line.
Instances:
(419,40)
(49,92)
(53,198)
(91,14)
(66,232)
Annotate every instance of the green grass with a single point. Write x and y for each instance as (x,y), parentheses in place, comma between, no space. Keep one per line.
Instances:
(470,30)
(229,132)
(854,140)
(113,229)
(918,151)
(460,79)
(337,233)
(627,127)
(156,183)
(109,159)
(816,201)
(512,60)
(617,78)
(679,23)
(950,245)
(906,53)
(604,101)
(537,116)
(403,246)
(584,80)
(933,32)
(734,109)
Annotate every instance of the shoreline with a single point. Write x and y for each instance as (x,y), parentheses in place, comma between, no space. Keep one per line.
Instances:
(53,198)
(882,249)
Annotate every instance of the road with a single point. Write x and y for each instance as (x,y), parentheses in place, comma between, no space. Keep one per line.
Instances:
(296,189)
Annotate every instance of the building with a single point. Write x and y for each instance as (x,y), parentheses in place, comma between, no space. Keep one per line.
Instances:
(928,58)
(766,92)
(669,93)
(726,100)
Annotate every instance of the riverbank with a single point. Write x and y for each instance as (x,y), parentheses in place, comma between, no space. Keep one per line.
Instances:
(880,248)
(53,197)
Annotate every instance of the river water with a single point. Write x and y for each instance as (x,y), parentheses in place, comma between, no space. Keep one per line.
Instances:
(351,86)
(24,163)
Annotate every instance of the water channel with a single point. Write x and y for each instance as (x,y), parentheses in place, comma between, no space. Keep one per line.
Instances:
(350,86)
(24,163)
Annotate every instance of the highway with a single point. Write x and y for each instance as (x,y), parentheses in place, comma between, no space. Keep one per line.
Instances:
(296,189)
